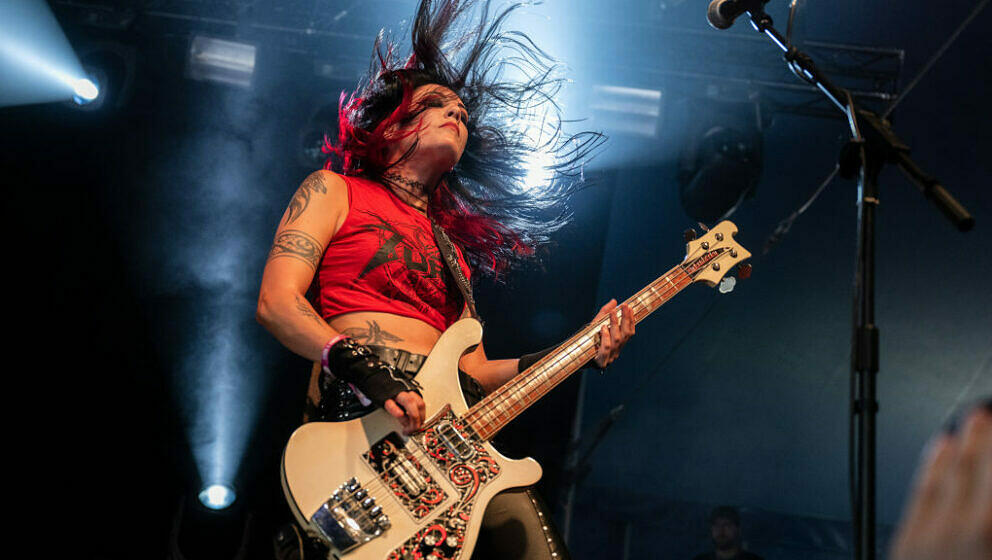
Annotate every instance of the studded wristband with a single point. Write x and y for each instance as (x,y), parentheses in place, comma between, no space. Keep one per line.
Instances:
(356,364)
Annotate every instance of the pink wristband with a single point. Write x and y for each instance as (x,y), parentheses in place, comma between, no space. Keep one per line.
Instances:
(327,350)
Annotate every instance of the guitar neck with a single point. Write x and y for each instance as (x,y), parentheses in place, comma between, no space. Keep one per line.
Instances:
(501,406)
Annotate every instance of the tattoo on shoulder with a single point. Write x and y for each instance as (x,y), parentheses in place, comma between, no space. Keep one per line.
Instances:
(298,245)
(311,185)
(373,334)
(306,309)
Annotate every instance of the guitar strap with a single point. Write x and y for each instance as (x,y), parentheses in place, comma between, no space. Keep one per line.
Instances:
(450,258)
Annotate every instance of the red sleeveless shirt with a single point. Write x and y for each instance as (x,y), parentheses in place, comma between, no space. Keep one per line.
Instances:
(384,258)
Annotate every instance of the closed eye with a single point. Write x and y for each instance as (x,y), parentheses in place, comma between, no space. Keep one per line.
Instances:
(434,102)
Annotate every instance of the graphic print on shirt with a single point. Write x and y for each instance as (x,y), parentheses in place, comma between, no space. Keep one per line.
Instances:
(416,248)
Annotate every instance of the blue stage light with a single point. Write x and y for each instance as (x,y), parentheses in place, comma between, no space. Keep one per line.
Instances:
(217,496)
(535,129)
(85,90)
(37,62)
(540,169)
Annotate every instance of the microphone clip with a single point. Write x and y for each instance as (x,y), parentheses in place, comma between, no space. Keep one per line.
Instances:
(722,13)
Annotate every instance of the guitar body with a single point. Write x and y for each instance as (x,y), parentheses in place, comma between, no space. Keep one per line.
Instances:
(428,492)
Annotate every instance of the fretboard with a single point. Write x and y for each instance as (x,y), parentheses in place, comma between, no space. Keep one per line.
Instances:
(501,406)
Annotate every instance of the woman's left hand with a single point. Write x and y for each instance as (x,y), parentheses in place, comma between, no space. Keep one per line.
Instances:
(613,337)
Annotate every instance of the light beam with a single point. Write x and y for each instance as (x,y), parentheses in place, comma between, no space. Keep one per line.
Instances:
(36,61)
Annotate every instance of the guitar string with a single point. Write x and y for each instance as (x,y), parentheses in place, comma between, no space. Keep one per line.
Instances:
(637,304)
(506,406)
(504,393)
(515,386)
(381,483)
(394,506)
(378,483)
(390,507)
(495,403)
(496,406)
(579,339)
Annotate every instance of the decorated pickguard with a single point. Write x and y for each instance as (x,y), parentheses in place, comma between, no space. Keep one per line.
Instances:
(405,476)
(469,467)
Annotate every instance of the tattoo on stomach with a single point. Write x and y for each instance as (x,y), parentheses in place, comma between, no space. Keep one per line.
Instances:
(371,334)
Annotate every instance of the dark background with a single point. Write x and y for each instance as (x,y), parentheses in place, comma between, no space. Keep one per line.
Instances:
(139,234)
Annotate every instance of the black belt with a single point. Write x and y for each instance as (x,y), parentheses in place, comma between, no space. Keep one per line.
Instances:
(403,361)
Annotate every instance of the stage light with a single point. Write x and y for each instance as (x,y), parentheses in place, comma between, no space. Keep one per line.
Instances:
(221,377)
(217,60)
(536,131)
(220,395)
(540,169)
(85,91)
(217,496)
(36,61)
(108,77)
(200,532)
(626,110)
(721,163)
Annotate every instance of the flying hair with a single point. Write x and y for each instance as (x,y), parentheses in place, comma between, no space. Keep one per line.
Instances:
(484,203)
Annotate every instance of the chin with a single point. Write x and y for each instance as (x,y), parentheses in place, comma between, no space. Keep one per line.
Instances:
(445,155)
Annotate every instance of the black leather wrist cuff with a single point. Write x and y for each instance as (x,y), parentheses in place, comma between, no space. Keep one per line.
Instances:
(358,365)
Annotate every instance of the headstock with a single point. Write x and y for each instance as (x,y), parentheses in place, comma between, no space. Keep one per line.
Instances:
(709,258)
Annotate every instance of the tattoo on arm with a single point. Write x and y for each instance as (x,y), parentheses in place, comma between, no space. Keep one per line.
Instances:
(371,335)
(298,245)
(311,185)
(306,309)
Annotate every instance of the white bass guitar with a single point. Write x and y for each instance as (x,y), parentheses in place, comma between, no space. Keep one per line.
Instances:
(371,493)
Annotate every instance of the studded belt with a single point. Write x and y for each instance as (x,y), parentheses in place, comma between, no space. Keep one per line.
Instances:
(404,362)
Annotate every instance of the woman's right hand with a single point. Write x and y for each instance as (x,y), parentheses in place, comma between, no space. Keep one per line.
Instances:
(408,407)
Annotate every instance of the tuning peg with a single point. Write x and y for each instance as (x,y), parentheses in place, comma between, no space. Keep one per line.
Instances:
(744,271)
(689,235)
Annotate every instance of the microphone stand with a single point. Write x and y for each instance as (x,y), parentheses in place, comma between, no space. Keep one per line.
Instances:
(873,144)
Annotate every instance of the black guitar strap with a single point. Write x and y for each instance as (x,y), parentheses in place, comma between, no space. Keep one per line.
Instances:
(451,261)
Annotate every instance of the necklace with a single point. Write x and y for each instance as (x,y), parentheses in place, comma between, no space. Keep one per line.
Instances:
(395,180)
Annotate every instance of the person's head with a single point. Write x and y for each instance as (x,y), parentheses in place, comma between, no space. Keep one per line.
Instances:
(415,119)
(725,528)
(436,131)
(458,74)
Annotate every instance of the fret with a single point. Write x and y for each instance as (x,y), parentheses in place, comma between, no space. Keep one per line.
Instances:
(654,290)
(501,411)
(506,403)
(490,417)
(638,303)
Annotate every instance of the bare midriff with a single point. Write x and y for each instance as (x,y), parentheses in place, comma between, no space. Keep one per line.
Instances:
(387,329)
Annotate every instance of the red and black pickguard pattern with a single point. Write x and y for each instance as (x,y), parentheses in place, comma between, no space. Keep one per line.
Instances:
(444,537)
(382,458)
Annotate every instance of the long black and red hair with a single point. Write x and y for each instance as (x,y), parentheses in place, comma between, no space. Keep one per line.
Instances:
(484,202)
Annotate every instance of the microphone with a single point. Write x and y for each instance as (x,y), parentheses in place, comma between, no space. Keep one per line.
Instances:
(722,13)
